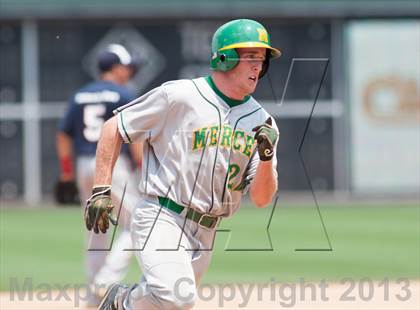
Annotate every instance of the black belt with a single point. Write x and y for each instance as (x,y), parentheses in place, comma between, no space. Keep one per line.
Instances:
(194,215)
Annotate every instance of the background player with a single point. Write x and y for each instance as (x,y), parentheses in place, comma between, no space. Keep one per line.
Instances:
(77,137)
(200,141)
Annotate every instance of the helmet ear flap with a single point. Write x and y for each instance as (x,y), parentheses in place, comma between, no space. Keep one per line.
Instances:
(226,60)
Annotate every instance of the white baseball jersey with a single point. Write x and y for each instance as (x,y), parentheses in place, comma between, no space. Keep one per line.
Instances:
(198,150)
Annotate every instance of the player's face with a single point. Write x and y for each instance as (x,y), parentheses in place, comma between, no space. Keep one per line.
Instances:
(248,69)
(124,73)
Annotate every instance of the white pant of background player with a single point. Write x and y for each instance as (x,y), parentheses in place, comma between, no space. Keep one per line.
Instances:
(106,267)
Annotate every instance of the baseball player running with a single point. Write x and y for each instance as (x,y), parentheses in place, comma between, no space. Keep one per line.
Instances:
(207,142)
(78,134)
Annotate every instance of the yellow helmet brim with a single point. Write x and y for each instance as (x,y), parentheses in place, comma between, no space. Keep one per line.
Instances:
(274,53)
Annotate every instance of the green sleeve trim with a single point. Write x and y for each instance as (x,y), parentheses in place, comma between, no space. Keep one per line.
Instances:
(229,101)
(123,127)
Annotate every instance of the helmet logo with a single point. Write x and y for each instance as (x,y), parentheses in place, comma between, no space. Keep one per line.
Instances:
(262,35)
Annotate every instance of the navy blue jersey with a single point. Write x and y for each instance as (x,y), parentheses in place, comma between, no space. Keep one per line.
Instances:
(87,111)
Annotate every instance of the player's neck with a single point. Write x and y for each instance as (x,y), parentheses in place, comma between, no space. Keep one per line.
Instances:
(227,86)
(108,76)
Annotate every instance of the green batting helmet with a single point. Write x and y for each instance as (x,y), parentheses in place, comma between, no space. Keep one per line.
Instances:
(239,33)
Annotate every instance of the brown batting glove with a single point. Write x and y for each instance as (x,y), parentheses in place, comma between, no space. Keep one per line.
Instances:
(266,137)
(98,209)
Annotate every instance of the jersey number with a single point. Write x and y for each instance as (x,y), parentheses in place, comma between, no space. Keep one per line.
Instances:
(233,172)
(93,119)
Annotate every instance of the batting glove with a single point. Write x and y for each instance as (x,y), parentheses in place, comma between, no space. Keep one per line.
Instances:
(66,192)
(98,209)
(266,137)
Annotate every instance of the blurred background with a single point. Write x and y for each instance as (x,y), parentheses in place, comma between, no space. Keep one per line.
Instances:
(363,138)
(360,61)
(364,135)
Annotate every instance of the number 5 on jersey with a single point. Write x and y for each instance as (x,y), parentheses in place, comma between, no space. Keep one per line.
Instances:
(93,119)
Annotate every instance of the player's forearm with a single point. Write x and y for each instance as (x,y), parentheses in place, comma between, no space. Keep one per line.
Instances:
(64,145)
(107,152)
(264,185)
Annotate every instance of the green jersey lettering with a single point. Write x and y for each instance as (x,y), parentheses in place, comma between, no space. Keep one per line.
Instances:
(226,136)
(214,130)
(238,140)
(199,138)
(249,144)
(238,144)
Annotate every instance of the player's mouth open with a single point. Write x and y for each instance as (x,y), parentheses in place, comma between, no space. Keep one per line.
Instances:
(253,78)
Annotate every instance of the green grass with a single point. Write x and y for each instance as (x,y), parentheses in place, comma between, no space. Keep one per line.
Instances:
(376,242)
